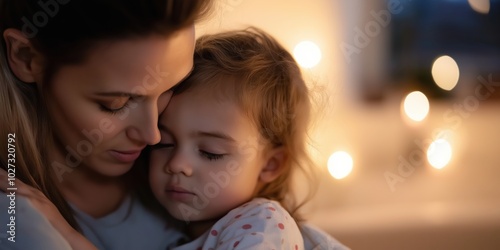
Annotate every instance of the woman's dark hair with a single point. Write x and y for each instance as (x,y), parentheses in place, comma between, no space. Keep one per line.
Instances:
(63,32)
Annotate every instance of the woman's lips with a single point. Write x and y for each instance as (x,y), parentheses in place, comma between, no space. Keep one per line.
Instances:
(125,156)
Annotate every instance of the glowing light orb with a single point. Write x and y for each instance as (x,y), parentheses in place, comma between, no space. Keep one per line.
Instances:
(416,106)
(340,165)
(445,72)
(307,54)
(439,153)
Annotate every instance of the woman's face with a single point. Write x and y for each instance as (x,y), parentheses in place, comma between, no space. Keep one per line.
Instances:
(105,110)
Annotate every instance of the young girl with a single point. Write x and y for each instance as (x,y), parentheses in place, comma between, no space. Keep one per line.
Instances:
(231,136)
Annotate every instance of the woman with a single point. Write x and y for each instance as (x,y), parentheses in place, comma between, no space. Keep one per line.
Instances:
(82,85)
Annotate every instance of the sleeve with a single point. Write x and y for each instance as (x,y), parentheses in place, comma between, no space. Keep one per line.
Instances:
(316,239)
(258,225)
(23,227)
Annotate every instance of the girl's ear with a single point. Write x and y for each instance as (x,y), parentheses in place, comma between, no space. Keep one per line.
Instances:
(274,165)
(23,59)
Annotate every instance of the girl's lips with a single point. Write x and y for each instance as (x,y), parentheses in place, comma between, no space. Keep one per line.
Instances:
(178,193)
(177,189)
(125,156)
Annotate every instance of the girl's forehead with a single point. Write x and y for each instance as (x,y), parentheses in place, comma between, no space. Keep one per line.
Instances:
(197,112)
(219,86)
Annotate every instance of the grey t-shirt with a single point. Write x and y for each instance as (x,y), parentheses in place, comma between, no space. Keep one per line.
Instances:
(30,229)
(131,226)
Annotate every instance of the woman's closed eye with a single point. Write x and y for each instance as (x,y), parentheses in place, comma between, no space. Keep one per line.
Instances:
(115,110)
(116,105)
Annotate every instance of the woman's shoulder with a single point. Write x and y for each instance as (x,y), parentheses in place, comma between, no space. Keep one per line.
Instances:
(315,238)
(26,227)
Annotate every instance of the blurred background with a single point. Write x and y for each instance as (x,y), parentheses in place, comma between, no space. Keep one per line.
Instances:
(406,138)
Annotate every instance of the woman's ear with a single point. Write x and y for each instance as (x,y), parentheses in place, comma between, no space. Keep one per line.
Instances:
(23,59)
(274,165)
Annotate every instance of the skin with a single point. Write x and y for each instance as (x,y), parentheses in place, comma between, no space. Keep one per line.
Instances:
(80,97)
(191,150)
(207,143)
(84,95)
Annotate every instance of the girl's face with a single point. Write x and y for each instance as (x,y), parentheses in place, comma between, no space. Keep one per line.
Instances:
(208,160)
(105,110)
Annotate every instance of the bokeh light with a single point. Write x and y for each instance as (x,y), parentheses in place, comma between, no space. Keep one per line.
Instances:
(307,54)
(340,164)
(445,72)
(416,106)
(480,6)
(439,153)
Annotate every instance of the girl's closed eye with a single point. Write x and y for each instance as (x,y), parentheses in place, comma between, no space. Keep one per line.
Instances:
(162,145)
(211,156)
(167,140)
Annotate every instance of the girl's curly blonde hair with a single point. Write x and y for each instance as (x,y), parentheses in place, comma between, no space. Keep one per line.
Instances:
(251,68)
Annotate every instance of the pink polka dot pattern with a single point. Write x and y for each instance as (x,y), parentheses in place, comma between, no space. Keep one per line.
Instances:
(261,221)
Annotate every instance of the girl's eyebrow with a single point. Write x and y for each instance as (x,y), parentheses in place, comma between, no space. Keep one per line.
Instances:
(214,134)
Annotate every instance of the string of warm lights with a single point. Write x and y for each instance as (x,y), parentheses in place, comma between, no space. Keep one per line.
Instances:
(415,106)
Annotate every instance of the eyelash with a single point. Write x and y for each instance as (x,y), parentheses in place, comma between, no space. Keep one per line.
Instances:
(161,145)
(113,111)
(209,156)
